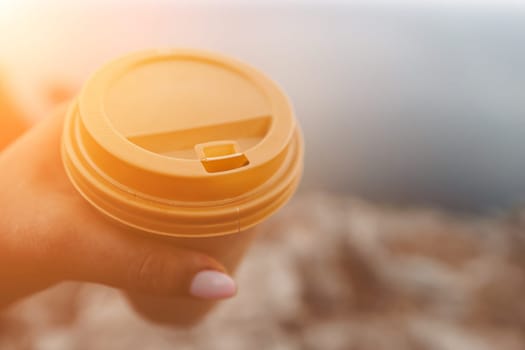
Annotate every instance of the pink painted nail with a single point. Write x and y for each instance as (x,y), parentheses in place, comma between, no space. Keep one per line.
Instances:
(212,285)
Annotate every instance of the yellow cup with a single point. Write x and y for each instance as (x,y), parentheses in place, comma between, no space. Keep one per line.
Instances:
(190,147)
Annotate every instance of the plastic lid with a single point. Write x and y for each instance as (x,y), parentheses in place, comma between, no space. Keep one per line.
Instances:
(183,143)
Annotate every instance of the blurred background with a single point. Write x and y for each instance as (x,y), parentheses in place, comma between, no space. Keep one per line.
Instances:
(401,101)
(409,229)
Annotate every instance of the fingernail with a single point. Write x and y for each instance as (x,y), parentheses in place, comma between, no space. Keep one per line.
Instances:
(212,285)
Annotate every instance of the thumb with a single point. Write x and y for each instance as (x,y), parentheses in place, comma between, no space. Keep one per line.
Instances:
(149,266)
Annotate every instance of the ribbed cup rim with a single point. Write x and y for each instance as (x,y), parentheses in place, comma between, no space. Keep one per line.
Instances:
(85,158)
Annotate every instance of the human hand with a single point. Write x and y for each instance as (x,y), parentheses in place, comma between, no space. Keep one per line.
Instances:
(49,233)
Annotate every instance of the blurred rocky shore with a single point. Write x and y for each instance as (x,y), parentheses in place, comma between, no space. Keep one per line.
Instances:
(330,273)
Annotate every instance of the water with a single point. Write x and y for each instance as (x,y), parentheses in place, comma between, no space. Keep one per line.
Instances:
(403,103)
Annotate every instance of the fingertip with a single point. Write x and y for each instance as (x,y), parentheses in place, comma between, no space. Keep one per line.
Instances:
(210,284)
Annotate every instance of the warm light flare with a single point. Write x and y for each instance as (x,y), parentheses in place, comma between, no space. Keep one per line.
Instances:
(8,7)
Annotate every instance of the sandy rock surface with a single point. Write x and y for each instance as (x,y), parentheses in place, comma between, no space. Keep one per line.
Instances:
(330,273)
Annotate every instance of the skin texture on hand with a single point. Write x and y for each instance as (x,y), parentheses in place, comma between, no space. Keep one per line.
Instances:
(49,233)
